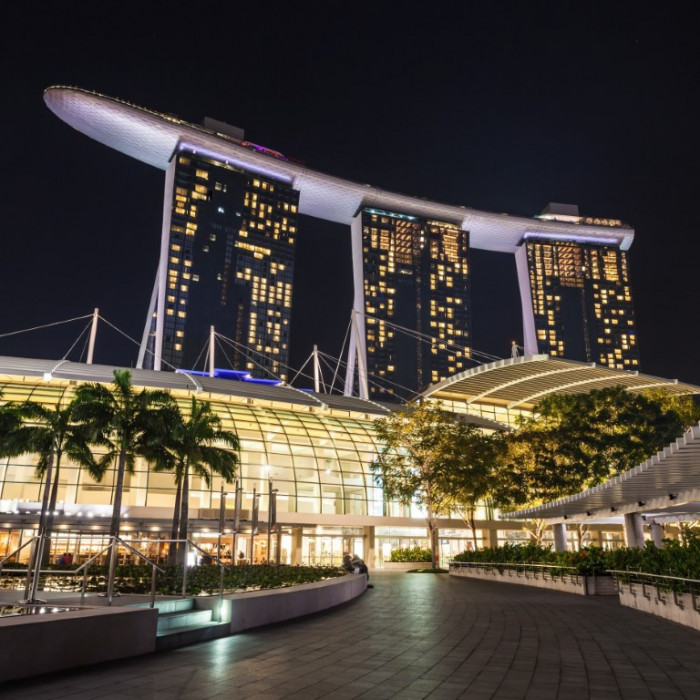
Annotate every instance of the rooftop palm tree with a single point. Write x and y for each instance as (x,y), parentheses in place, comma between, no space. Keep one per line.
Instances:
(194,444)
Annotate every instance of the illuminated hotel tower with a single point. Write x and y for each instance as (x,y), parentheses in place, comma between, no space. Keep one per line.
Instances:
(415,285)
(577,301)
(228,254)
(233,268)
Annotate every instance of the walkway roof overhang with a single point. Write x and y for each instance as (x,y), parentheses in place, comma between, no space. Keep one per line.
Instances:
(154,137)
(521,382)
(664,488)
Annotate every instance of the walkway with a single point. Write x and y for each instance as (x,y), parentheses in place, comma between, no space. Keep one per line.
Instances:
(418,636)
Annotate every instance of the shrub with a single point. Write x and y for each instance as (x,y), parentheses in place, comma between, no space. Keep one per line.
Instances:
(414,554)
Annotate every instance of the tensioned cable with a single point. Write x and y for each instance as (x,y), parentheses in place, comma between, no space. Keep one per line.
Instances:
(80,335)
(342,350)
(429,338)
(194,365)
(47,325)
(247,351)
(135,342)
(301,369)
(381,381)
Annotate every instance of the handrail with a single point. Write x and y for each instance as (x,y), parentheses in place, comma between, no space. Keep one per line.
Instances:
(196,546)
(138,554)
(117,541)
(19,549)
(91,559)
(648,575)
(510,564)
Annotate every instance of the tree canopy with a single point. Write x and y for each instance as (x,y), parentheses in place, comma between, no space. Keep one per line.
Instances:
(576,441)
(435,459)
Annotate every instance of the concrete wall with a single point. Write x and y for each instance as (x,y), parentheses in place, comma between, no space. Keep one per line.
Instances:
(678,608)
(581,585)
(34,644)
(259,608)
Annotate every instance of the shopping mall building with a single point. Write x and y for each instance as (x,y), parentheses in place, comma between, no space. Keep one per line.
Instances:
(313,449)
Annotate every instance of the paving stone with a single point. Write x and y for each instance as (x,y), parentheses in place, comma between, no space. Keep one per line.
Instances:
(416,637)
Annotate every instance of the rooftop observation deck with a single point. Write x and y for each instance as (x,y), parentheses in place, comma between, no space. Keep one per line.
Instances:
(153,137)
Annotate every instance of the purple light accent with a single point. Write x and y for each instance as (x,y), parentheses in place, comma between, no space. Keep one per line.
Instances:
(572,237)
(232,159)
(264,150)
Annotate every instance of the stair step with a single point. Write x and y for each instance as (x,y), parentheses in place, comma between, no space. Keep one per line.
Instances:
(170,605)
(189,628)
(190,618)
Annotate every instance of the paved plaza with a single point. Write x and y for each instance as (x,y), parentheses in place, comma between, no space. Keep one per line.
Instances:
(417,636)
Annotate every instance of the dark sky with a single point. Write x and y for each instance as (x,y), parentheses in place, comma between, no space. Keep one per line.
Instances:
(498,106)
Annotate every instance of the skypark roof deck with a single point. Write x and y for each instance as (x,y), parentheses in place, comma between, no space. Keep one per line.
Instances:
(153,137)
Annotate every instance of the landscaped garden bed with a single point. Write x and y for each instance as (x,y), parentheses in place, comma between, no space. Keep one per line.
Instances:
(201,580)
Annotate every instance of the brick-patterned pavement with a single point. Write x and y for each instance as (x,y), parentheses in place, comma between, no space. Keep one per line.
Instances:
(417,636)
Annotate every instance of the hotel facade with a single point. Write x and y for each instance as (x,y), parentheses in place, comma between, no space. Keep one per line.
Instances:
(227,250)
(230,221)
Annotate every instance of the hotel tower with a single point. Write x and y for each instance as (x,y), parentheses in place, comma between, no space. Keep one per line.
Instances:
(227,260)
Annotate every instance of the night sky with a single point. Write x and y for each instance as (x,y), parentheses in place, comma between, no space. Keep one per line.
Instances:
(497,106)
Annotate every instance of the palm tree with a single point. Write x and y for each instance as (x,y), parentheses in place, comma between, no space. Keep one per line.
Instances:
(189,448)
(122,420)
(50,433)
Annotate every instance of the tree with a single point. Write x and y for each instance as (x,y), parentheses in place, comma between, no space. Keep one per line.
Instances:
(576,441)
(189,448)
(419,451)
(50,433)
(474,477)
(122,420)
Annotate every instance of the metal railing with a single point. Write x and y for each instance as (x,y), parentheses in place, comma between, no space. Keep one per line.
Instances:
(661,584)
(527,570)
(33,575)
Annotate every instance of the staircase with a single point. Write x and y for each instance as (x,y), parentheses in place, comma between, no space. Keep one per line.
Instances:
(182,621)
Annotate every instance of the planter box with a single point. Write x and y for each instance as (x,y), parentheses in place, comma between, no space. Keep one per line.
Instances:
(581,585)
(34,644)
(405,565)
(677,607)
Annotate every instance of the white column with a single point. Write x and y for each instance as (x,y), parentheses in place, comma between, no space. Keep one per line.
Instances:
(634,530)
(212,341)
(149,325)
(358,305)
(657,535)
(350,369)
(369,555)
(317,371)
(530,336)
(163,263)
(93,336)
(559,530)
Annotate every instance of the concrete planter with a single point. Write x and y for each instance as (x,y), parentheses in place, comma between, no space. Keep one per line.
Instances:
(405,565)
(677,607)
(581,585)
(259,608)
(34,644)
